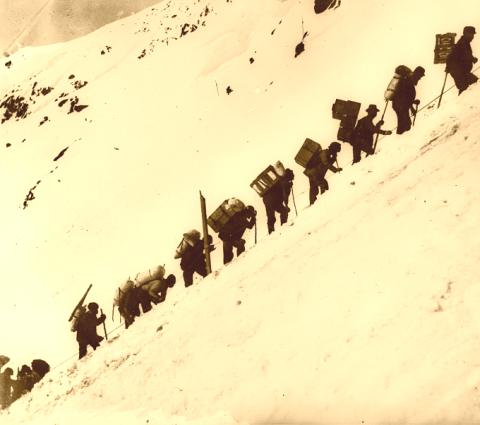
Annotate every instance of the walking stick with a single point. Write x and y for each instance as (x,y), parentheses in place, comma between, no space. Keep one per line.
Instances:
(443,89)
(294,204)
(104,327)
(381,119)
(255,231)
(415,115)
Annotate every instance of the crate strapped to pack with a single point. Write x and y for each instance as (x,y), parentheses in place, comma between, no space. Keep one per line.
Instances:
(347,112)
(306,152)
(222,215)
(267,178)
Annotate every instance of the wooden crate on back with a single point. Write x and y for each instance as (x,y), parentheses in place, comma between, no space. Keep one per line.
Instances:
(222,215)
(265,180)
(306,152)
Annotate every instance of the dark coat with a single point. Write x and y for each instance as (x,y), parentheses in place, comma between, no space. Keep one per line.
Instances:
(87,328)
(320,163)
(364,131)
(193,256)
(279,193)
(404,95)
(460,60)
(236,226)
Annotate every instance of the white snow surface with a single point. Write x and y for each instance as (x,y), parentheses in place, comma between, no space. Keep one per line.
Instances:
(363,309)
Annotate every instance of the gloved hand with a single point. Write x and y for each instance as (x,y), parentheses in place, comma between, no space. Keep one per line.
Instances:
(416,102)
(475,60)
(388,133)
(380,123)
(339,169)
(103,317)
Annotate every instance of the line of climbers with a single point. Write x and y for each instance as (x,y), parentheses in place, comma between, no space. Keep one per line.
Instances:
(232,218)
(27,376)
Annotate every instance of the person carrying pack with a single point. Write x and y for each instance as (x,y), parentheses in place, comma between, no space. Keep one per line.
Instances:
(276,199)
(126,299)
(362,136)
(404,97)
(232,232)
(192,259)
(318,166)
(460,61)
(86,329)
(155,291)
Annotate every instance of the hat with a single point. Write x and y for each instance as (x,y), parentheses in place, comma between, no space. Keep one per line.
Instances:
(372,108)
(335,146)
(171,280)
(420,70)
(469,30)
(93,306)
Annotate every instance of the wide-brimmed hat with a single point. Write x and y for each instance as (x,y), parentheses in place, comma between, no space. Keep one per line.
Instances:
(372,107)
(469,30)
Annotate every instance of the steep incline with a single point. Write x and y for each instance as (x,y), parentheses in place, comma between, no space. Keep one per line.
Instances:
(364,311)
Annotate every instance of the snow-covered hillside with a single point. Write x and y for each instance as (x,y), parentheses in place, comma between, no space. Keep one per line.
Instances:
(362,309)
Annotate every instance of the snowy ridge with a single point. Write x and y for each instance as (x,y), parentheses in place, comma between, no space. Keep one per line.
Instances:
(363,309)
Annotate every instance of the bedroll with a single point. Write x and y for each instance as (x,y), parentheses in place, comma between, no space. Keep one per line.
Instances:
(121,291)
(189,239)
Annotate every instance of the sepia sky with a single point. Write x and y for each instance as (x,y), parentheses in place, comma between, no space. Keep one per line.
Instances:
(36,22)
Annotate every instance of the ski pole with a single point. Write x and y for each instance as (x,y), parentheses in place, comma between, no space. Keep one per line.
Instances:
(255,231)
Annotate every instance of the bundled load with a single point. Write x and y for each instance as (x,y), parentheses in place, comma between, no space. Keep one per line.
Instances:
(41,367)
(308,150)
(156,274)
(3,360)
(268,178)
(77,314)
(189,239)
(222,215)
(121,291)
(401,72)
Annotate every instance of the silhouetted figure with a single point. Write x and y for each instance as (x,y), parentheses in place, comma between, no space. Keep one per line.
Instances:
(154,291)
(405,97)
(6,384)
(128,302)
(232,232)
(41,367)
(87,329)
(276,199)
(460,61)
(26,379)
(322,5)
(192,259)
(318,166)
(362,136)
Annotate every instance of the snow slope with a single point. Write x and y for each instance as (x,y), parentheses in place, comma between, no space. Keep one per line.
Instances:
(363,310)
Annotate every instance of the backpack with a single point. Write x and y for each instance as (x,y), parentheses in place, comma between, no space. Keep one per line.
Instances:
(121,291)
(41,367)
(190,238)
(401,72)
(79,312)
(145,277)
